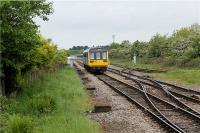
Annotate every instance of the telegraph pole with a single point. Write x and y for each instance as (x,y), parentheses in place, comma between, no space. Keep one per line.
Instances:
(113,37)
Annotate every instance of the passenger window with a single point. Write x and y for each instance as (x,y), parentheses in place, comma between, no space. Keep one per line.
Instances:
(104,55)
(91,55)
(98,56)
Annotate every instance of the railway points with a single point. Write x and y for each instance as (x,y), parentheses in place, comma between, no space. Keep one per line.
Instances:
(172,106)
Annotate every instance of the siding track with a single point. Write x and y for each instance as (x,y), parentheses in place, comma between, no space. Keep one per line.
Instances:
(174,117)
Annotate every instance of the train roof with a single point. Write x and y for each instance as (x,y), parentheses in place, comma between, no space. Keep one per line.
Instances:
(94,49)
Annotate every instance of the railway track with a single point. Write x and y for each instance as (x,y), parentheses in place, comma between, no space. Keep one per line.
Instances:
(174,117)
(188,92)
(187,99)
(181,92)
(153,87)
(167,105)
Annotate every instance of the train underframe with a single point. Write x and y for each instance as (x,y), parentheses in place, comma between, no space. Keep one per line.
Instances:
(96,69)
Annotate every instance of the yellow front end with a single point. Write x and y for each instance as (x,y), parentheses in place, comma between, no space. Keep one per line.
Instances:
(98,63)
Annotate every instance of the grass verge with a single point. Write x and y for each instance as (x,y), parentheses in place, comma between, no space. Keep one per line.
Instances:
(53,104)
(182,75)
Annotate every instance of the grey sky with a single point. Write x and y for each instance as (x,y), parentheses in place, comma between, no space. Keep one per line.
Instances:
(93,23)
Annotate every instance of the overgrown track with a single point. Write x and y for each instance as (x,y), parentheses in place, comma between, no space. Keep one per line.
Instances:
(191,95)
(175,118)
(162,82)
(159,90)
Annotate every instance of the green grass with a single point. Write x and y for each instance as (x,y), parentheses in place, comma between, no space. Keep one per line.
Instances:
(189,76)
(56,103)
(128,63)
(183,75)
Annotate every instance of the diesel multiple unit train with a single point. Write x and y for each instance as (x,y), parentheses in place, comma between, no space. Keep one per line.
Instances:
(95,59)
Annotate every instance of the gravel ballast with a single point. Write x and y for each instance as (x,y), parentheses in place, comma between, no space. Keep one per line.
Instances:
(124,116)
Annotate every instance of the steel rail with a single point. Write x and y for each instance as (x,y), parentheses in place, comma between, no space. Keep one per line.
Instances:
(159,81)
(161,100)
(149,97)
(158,85)
(132,100)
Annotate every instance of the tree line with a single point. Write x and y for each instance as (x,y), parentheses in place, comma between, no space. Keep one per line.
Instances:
(79,48)
(182,48)
(22,47)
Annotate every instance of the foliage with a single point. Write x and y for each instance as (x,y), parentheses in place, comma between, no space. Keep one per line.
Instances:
(42,103)
(157,47)
(52,104)
(75,52)
(20,124)
(61,56)
(44,53)
(79,48)
(138,48)
(23,49)
(114,45)
(182,48)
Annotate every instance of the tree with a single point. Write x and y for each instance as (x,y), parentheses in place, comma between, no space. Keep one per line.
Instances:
(157,44)
(125,43)
(196,46)
(19,36)
(114,45)
(135,49)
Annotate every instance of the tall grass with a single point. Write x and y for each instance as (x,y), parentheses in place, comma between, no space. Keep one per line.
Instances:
(56,103)
(189,76)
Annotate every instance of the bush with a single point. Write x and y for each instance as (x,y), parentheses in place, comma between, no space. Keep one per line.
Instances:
(193,63)
(3,124)
(42,103)
(20,124)
(7,105)
(170,61)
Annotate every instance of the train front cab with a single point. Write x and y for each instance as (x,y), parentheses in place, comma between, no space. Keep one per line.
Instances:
(96,60)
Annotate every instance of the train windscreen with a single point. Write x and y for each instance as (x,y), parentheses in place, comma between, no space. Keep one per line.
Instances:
(98,55)
(92,55)
(104,54)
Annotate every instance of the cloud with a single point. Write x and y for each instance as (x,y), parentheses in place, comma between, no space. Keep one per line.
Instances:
(93,23)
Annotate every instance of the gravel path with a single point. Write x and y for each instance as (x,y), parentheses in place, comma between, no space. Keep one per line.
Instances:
(124,117)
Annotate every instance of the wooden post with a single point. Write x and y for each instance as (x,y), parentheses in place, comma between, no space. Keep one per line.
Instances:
(2,84)
(1,88)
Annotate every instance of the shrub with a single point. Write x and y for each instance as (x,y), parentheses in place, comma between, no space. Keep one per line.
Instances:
(42,103)
(170,61)
(193,63)
(20,124)
(7,105)
(3,123)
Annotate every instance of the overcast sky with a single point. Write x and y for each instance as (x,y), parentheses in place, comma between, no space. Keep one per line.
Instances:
(94,23)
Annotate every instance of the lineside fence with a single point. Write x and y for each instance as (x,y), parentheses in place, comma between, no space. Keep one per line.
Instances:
(38,73)
(26,80)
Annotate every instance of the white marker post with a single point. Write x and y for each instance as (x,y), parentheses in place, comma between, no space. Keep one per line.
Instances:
(134,58)
(70,61)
